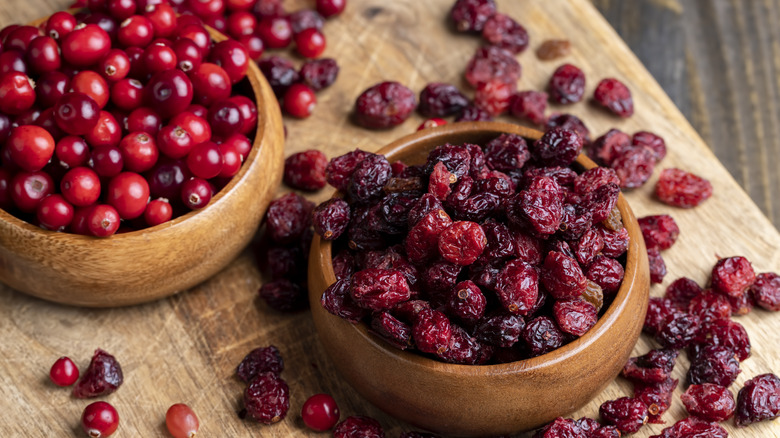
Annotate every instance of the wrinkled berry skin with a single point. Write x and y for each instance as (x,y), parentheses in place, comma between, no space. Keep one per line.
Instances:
(732,276)
(758,400)
(679,188)
(615,96)
(379,289)
(462,243)
(627,414)
(562,277)
(766,291)
(368,178)
(567,84)
(540,206)
(570,122)
(267,398)
(337,300)
(288,217)
(709,402)
(557,147)
(660,231)
(714,364)
(656,396)
(384,105)
(576,316)
(441,100)
(305,170)
(432,331)
(542,335)
(340,169)
(102,377)
(503,31)
(358,426)
(693,427)
(561,428)
(517,287)
(500,329)
(260,360)
(330,219)
(654,367)
(492,64)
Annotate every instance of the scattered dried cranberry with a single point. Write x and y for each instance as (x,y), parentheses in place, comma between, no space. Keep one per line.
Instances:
(758,400)
(615,96)
(570,122)
(714,364)
(679,188)
(678,330)
(634,166)
(659,231)
(492,63)
(726,333)
(765,290)
(733,276)
(441,100)
(693,427)
(560,428)
(627,414)
(656,396)
(682,291)
(384,105)
(657,265)
(471,15)
(709,402)
(530,105)
(651,140)
(330,219)
(260,360)
(102,377)
(494,96)
(267,398)
(503,31)
(557,147)
(284,295)
(654,367)
(358,426)
(567,84)
(306,170)
(288,217)
(319,74)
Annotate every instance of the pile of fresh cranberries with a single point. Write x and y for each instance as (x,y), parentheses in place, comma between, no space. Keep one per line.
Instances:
(119,118)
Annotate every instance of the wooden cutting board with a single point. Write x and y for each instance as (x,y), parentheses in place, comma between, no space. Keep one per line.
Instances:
(186,348)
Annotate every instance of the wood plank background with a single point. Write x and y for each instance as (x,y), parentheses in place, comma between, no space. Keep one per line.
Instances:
(185,348)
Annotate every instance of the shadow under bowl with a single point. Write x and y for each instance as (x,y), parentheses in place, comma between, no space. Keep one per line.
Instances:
(482,400)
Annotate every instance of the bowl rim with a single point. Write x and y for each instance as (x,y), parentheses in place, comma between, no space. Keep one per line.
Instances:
(253,75)
(573,348)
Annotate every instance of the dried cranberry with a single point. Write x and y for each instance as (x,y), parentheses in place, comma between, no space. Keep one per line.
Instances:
(288,217)
(693,427)
(503,31)
(392,330)
(606,272)
(657,265)
(615,242)
(358,426)
(267,398)
(368,178)
(492,63)
(714,364)
(654,367)
(653,141)
(709,402)
(615,96)
(500,329)
(539,206)
(280,73)
(319,74)
(494,96)
(570,122)
(679,188)
(682,291)
(726,333)
(517,287)
(678,330)
(613,144)
(466,350)
(440,181)
(337,300)
(634,166)
(441,100)
(765,290)
(660,231)
(379,289)
(575,316)
(530,105)
(601,202)
(466,302)
(471,15)
(561,428)
(710,306)
(567,84)
(507,152)
(305,170)
(627,414)
(422,242)
(562,277)
(340,169)
(733,276)
(260,360)
(473,113)
(432,331)
(384,105)
(330,219)
(656,396)
(658,311)
(462,242)
(456,158)
(758,400)
(542,335)
(102,377)
(557,147)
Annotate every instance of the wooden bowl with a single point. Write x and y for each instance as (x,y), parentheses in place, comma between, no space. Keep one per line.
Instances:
(155,262)
(487,400)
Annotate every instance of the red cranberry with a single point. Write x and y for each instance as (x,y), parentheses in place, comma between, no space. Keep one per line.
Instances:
(241,23)
(163,19)
(43,54)
(107,132)
(143,120)
(31,147)
(320,412)
(181,421)
(567,84)
(196,126)
(306,170)
(157,212)
(242,144)
(72,151)
(85,46)
(205,160)
(329,8)
(207,8)
(321,73)
(121,9)
(174,142)
(306,19)
(99,420)
(188,54)
(17,94)
(299,101)
(615,96)
(128,193)
(253,44)
(169,92)
(198,34)
(384,105)
(20,38)
(103,21)
(102,220)
(239,5)
(12,60)
(198,110)
(275,31)
(50,87)
(159,58)
(60,24)
(139,151)
(679,188)
(106,161)
(127,94)
(210,83)
(29,188)
(310,43)
(81,186)
(248,112)
(76,113)
(167,177)
(91,84)
(231,160)
(196,193)
(137,67)
(232,57)
(136,31)
(54,213)
(225,118)
(64,372)
(115,65)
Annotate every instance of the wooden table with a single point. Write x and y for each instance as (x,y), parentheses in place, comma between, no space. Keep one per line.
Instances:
(185,348)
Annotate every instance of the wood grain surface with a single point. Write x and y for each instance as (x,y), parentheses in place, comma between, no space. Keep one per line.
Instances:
(185,348)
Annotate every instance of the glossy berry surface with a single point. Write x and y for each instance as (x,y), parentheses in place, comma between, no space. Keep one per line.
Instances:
(384,105)
(64,372)
(320,412)
(99,420)
(267,398)
(758,400)
(299,101)
(615,96)
(181,421)
(30,147)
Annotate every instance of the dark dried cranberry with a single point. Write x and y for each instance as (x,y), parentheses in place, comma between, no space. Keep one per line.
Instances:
(561,428)
(422,242)
(343,264)
(627,414)
(260,360)
(557,147)
(331,218)
(339,169)
(601,202)
(741,305)
(439,278)
(679,188)
(714,364)
(462,242)
(473,113)
(709,402)
(527,247)
(284,261)
(284,295)
(368,178)
(575,316)
(530,105)
(466,302)
(102,377)
(319,74)
(384,105)
(765,290)
(360,234)
(654,367)
(605,149)
(337,300)
(710,306)
(726,333)
(733,276)
(441,100)
(634,166)
(659,310)
(615,96)
(678,330)
(539,206)
(492,63)
(432,331)
(588,246)
(466,350)
(615,242)
(379,289)
(267,398)
(305,170)
(288,217)
(660,231)
(567,84)
(507,152)
(517,287)
(656,396)
(758,400)
(500,329)
(471,15)
(693,427)
(657,265)
(456,158)
(503,31)
(607,273)
(279,72)
(594,178)
(653,141)
(682,290)
(562,277)
(392,330)
(570,122)
(542,335)
(358,426)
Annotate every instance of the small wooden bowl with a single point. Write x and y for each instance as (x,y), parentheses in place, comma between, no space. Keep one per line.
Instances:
(155,262)
(485,400)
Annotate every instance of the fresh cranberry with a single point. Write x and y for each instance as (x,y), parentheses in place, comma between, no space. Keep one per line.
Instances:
(163,19)
(72,151)
(174,142)
(241,23)
(50,87)
(167,177)
(188,54)
(60,24)
(181,421)
(106,161)
(169,92)
(136,31)
(30,147)
(43,55)
(253,44)
(310,43)
(128,193)
(299,101)
(106,132)
(431,123)
(121,9)
(225,118)
(91,84)
(137,67)
(127,94)
(17,93)
(139,151)
(207,8)
(232,57)
(205,160)
(54,213)
(157,212)
(239,5)
(320,412)
(231,160)
(143,119)
(198,34)
(20,38)
(248,111)
(76,113)
(29,188)
(159,58)
(196,193)
(64,372)
(276,31)
(241,143)
(196,126)
(210,83)
(81,186)
(85,46)
(330,8)
(12,60)
(99,420)
(103,21)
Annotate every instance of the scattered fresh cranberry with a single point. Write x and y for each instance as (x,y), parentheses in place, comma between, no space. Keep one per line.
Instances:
(320,412)
(181,421)
(99,420)
(64,372)
(299,101)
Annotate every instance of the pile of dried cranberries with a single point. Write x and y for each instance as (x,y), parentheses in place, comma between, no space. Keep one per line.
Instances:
(484,254)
